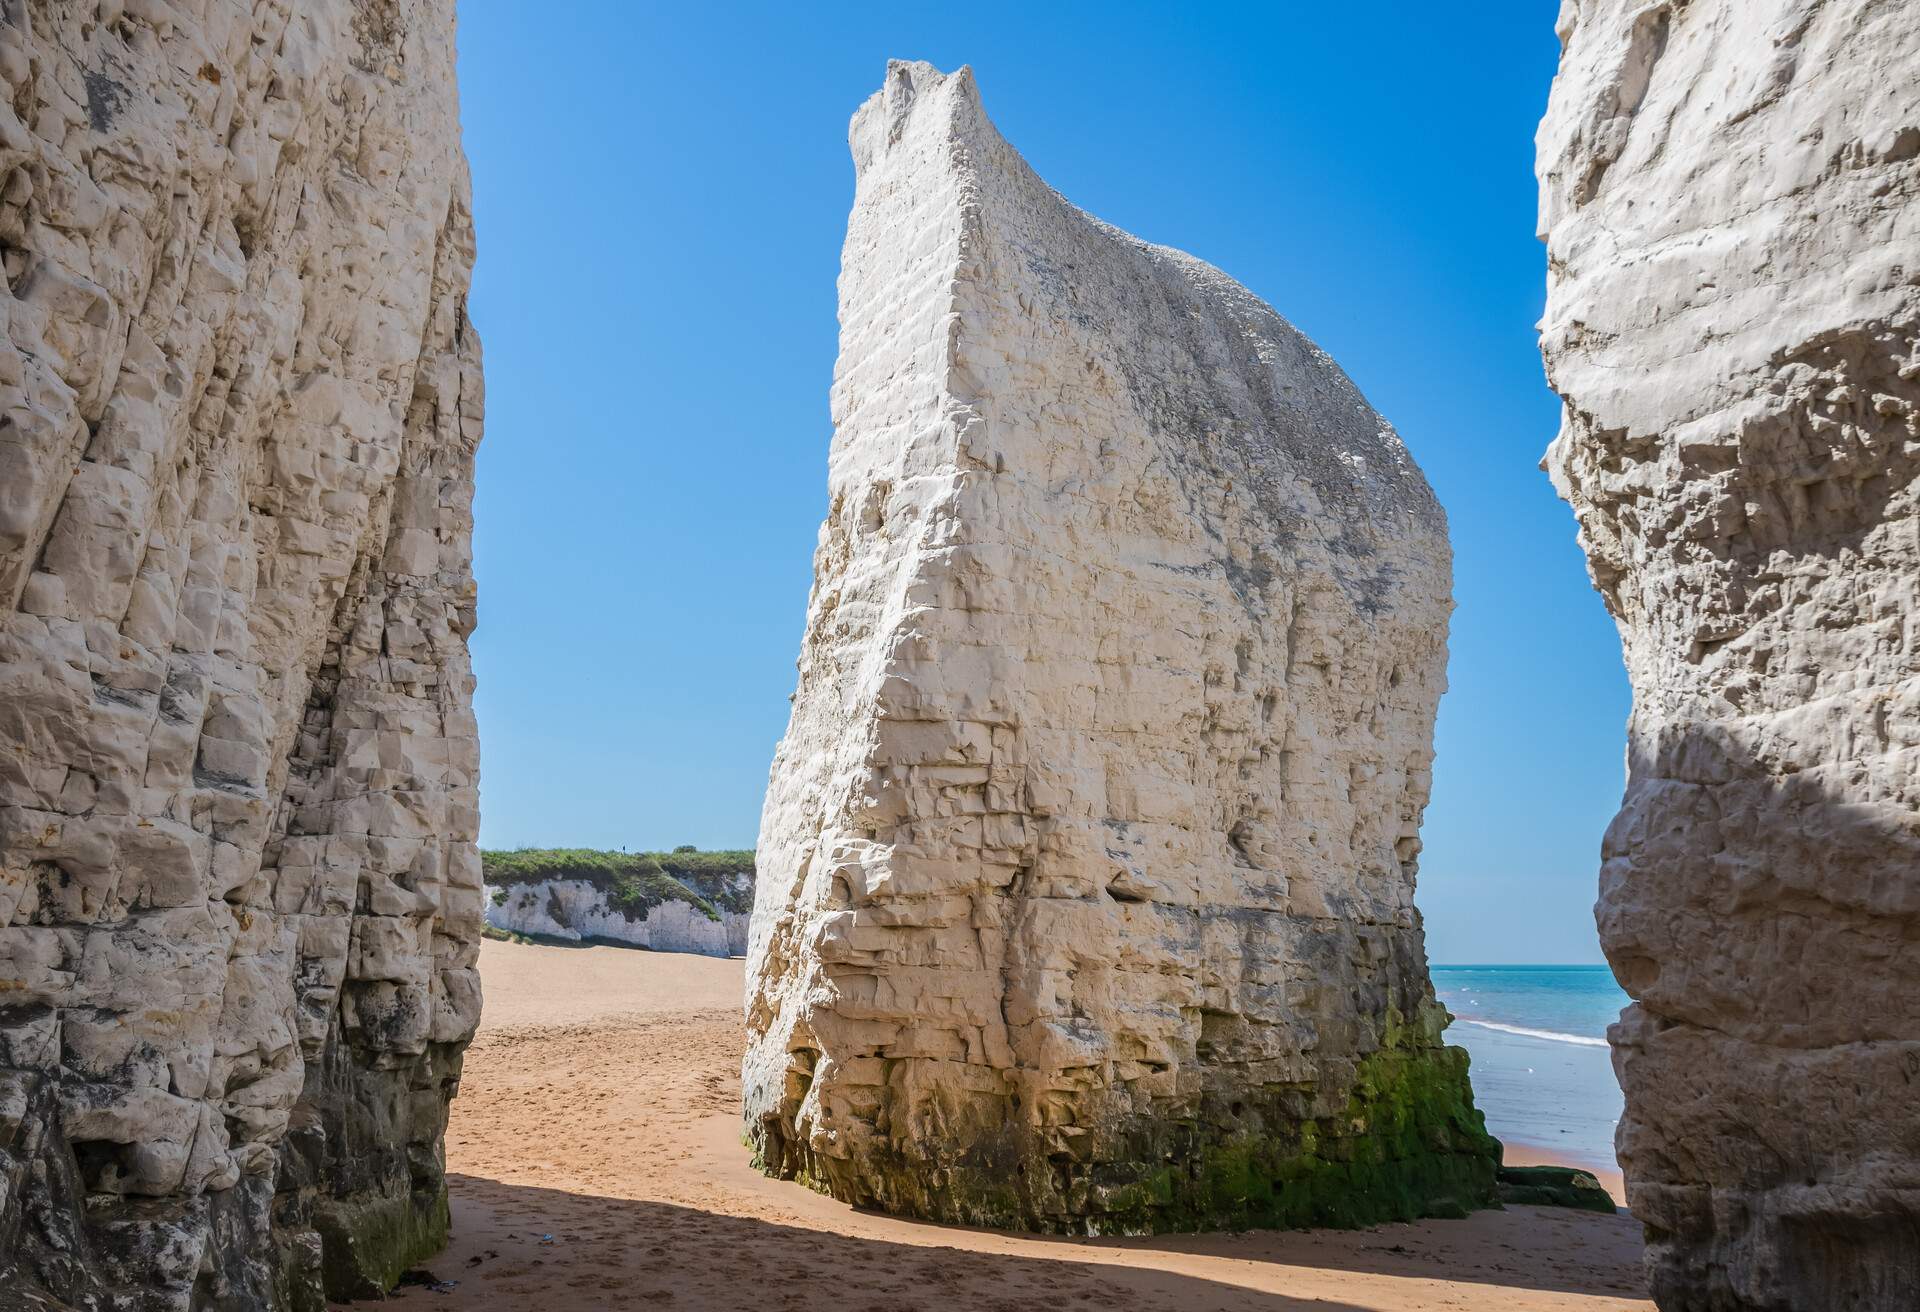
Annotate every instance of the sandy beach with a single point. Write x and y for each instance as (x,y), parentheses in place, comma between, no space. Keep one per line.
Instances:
(596,1163)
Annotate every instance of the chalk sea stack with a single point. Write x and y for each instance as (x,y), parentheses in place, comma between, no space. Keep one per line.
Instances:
(1086,871)
(1730,194)
(239,893)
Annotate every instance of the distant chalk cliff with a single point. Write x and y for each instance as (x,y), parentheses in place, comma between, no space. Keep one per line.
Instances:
(679,901)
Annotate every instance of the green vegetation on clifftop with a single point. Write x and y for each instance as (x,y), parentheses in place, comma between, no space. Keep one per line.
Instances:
(634,882)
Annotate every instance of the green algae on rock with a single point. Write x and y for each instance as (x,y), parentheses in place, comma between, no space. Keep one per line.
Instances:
(1554,1186)
(371,1241)
(1407,1144)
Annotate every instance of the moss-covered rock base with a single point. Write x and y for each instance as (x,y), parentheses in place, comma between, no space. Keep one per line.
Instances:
(1554,1186)
(1406,1143)
(367,1243)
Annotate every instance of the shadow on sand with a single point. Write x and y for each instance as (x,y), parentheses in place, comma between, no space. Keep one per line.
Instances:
(1537,1249)
(547,1250)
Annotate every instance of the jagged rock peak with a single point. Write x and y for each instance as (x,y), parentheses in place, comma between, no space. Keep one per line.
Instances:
(1086,870)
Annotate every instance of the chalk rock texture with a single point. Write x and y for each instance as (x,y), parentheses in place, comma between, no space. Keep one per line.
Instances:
(1087,864)
(239,893)
(1731,201)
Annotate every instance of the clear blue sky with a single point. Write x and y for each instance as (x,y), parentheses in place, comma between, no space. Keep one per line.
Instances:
(661,192)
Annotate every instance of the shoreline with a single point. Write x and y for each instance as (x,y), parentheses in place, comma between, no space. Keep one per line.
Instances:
(1551,1096)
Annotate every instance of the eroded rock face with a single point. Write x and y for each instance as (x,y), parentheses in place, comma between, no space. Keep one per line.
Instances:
(1731,201)
(1086,870)
(239,891)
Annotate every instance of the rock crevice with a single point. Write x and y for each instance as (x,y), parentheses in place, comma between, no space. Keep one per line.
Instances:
(1087,862)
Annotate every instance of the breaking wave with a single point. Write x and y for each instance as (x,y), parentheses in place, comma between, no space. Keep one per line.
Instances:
(1550,1035)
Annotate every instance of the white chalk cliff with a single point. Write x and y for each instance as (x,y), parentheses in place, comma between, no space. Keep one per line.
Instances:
(240,900)
(1730,195)
(1087,865)
(578,910)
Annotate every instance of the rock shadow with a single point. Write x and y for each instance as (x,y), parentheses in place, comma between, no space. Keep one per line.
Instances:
(1543,1249)
(519,1246)
(1760,903)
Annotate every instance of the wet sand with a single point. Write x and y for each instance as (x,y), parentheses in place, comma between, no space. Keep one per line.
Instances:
(596,1164)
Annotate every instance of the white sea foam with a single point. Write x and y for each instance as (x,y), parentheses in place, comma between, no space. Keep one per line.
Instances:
(1551,1035)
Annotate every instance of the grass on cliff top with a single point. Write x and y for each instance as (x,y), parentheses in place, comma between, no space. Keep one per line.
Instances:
(634,882)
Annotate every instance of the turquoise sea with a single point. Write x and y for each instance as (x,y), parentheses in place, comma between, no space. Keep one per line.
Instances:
(1538,1037)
